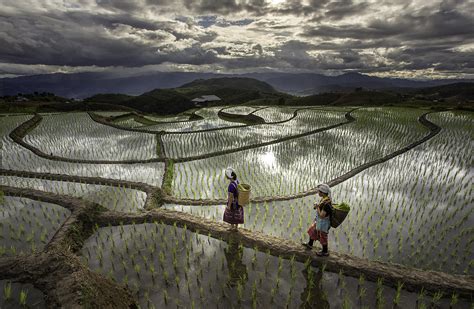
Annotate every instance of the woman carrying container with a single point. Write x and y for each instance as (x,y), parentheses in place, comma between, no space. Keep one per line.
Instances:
(234,213)
(320,228)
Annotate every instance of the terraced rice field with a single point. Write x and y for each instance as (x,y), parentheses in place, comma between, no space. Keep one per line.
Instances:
(86,185)
(27,225)
(90,141)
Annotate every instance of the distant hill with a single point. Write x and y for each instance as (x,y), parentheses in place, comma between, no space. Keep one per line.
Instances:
(35,97)
(161,101)
(112,98)
(368,98)
(232,90)
(83,85)
(315,99)
(460,91)
(229,82)
(169,101)
(246,91)
(452,95)
(362,97)
(307,84)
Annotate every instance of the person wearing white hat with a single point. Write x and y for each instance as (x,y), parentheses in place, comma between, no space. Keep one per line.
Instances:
(320,228)
(234,213)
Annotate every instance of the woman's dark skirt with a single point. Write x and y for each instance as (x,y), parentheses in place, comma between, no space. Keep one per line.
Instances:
(235,215)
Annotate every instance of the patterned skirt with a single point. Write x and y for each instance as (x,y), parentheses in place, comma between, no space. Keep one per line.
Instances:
(315,234)
(235,215)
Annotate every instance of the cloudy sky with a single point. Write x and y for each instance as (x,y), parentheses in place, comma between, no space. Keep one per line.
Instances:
(402,38)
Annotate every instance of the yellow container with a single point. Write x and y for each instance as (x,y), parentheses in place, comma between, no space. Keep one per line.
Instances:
(244,193)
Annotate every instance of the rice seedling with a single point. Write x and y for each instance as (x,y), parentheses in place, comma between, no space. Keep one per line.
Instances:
(396,299)
(380,300)
(436,298)
(346,303)
(454,300)
(254,295)
(23,298)
(7,291)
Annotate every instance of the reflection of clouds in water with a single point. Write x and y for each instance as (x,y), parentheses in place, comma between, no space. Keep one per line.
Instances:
(16,157)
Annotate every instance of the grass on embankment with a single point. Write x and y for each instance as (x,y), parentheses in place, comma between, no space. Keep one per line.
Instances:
(167,186)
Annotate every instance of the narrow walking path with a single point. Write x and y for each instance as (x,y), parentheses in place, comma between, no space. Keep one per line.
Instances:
(79,226)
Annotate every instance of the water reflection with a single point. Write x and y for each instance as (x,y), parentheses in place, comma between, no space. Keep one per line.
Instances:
(313,296)
(237,269)
(268,159)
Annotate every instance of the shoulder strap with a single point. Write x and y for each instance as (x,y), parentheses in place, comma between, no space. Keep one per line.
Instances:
(235,185)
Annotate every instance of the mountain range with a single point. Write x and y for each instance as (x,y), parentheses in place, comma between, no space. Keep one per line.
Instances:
(83,85)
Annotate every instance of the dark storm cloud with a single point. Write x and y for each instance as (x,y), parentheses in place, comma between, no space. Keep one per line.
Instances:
(258,48)
(341,9)
(225,6)
(124,5)
(78,39)
(238,34)
(417,40)
(423,57)
(208,21)
(424,25)
(254,7)
(108,20)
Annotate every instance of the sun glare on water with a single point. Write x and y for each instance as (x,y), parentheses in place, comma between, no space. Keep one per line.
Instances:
(276,2)
(268,159)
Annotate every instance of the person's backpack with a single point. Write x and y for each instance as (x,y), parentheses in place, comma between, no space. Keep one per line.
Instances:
(338,214)
(243,193)
(331,215)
